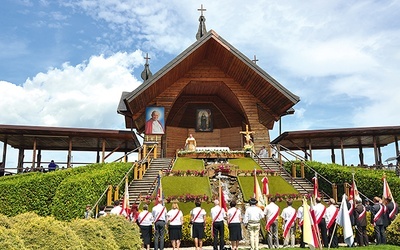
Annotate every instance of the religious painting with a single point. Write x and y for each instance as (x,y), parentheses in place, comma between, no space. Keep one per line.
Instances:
(204,121)
(154,121)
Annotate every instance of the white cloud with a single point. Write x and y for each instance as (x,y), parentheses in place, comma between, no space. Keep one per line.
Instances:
(85,95)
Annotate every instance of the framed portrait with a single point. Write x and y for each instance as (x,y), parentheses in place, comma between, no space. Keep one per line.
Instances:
(155,122)
(204,122)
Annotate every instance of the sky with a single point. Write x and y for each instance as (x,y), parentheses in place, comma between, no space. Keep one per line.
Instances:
(65,63)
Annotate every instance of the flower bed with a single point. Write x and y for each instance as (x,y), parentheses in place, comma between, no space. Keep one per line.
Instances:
(211,154)
(178,198)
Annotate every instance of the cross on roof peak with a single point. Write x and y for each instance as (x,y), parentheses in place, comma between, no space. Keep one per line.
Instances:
(147,58)
(201,10)
(255,60)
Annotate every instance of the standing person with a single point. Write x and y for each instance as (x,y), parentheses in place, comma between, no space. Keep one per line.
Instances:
(377,211)
(52,166)
(198,221)
(289,217)
(330,218)
(263,153)
(251,219)
(271,212)
(134,213)
(391,209)
(234,225)
(145,220)
(117,209)
(102,211)
(153,125)
(88,212)
(160,215)
(360,218)
(299,215)
(319,210)
(175,221)
(190,144)
(217,216)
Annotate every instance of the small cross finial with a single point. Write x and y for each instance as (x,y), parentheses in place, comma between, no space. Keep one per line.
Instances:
(255,60)
(147,58)
(201,10)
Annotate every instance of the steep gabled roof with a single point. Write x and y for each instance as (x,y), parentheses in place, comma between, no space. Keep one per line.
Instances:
(274,99)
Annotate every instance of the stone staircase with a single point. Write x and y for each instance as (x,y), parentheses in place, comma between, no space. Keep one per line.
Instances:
(300,184)
(147,184)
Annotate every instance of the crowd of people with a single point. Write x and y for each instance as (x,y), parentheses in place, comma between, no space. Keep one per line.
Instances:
(155,223)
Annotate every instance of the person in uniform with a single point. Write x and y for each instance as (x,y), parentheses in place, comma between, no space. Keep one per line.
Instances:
(145,221)
(289,218)
(271,212)
(251,219)
(234,225)
(198,221)
(330,218)
(360,217)
(160,215)
(319,210)
(217,216)
(377,211)
(175,221)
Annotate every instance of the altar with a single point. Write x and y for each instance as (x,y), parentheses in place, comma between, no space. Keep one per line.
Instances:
(211,152)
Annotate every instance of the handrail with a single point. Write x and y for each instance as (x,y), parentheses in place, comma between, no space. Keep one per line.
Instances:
(305,164)
(130,152)
(120,183)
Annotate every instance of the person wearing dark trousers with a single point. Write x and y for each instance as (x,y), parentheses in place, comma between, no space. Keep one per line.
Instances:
(330,218)
(377,211)
(217,216)
(360,218)
(159,213)
(299,214)
(320,210)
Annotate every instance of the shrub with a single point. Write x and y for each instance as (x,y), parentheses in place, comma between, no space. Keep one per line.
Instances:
(45,232)
(10,240)
(393,232)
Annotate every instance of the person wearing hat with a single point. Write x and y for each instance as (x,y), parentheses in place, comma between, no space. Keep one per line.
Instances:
(88,212)
(251,219)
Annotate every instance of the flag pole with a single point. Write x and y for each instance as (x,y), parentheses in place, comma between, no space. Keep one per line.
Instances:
(333,234)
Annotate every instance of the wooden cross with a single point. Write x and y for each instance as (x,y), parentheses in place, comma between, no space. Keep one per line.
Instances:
(247,134)
(147,58)
(255,60)
(201,10)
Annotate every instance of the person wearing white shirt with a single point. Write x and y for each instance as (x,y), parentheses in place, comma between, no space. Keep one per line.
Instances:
(289,217)
(198,221)
(251,219)
(319,210)
(160,215)
(117,209)
(234,225)
(299,214)
(271,212)
(217,216)
(175,221)
(145,221)
(330,218)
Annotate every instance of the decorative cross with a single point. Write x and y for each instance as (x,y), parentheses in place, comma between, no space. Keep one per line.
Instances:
(201,10)
(147,58)
(247,134)
(255,60)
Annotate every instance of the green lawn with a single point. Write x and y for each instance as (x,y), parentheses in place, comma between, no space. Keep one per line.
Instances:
(245,163)
(183,164)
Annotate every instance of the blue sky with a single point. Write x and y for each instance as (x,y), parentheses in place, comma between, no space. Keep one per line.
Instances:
(66,63)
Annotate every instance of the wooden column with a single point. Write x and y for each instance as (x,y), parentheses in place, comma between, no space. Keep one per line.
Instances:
(310,149)
(103,151)
(34,153)
(334,191)
(396,144)
(39,158)
(342,151)
(375,151)
(333,157)
(4,158)
(20,164)
(361,155)
(69,153)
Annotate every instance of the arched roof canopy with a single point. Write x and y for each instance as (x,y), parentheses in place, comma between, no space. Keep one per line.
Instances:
(272,98)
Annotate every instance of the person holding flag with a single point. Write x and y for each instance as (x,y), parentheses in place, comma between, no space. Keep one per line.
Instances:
(377,211)
(159,213)
(319,212)
(391,205)
(310,229)
(217,216)
(234,225)
(300,215)
(360,217)
(271,212)
(289,217)
(330,217)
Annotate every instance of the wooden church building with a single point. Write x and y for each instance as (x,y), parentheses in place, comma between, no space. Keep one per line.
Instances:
(212,91)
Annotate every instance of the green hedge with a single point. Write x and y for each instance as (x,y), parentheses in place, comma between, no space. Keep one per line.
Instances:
(63,193)
(31,231)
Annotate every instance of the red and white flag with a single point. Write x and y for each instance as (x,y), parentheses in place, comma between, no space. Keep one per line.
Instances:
(310,229)
(315,183)
(388,194)
(257,194)
(222,200)
(125,201)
